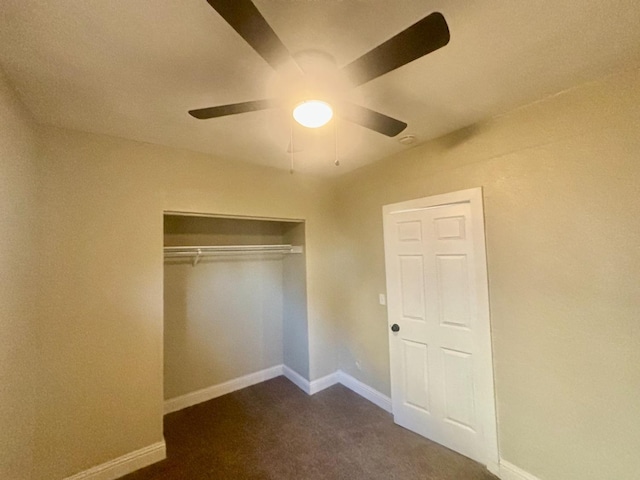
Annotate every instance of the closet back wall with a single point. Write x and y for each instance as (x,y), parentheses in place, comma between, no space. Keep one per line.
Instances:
(222,317)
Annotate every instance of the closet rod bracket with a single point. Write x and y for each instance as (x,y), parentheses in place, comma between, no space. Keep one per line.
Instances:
(196,259)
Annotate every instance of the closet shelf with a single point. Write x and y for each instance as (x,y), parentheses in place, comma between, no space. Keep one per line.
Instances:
(202,251)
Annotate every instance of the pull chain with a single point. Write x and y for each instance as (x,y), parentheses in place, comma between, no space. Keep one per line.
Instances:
(291,148)
(335,136)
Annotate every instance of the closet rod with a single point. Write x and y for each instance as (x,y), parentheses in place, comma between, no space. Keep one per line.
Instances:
(201,251)
(214,249)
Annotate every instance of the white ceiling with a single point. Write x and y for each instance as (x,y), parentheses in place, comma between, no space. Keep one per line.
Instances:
(133,68)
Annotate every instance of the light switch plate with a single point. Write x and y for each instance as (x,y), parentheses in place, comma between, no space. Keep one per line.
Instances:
(382,298)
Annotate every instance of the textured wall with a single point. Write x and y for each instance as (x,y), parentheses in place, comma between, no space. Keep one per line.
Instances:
(18,263)
(561,183)
(295,328)
(222,320)
(102,282)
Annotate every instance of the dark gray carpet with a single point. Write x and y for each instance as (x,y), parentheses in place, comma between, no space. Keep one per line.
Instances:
(275,431)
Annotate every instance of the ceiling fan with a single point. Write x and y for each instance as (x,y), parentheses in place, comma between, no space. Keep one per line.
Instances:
(313,103)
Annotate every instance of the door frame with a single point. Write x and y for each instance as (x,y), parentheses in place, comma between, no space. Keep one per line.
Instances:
(473,197)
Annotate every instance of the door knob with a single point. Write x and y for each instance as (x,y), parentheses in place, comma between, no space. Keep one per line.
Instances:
(395,327)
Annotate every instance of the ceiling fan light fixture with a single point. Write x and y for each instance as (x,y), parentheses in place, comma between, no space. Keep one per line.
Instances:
(313,113)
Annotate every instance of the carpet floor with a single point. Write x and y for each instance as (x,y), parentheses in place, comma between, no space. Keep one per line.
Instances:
(275,431)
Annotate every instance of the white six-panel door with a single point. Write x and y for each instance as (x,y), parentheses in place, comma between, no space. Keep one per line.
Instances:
(441,367)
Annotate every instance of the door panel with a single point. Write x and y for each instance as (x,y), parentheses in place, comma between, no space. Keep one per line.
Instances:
(458,381)
(452,284)
(412,286)
(439,356)
(416,375)
(409,231)
(449,228)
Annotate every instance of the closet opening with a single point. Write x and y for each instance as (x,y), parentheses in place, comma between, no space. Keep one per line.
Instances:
(235,304)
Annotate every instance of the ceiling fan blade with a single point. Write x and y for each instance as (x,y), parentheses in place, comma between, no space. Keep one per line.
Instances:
(232,109)
(245,19)
(371,119)
(423,37)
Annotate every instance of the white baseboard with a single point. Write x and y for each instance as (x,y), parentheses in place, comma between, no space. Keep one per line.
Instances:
(305,385)
(345,379)
(125,464)
(494,467)
(310,388)
(324,382)
(209,393)
(297,379)
(364,390)
(508,471)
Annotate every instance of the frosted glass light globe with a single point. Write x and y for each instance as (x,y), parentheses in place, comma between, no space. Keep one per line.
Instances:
(313,113)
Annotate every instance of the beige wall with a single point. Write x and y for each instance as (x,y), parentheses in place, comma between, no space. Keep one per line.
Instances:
(201,230)
(223,318)
(561,183)
(295,324)
(101,329)
(18,262)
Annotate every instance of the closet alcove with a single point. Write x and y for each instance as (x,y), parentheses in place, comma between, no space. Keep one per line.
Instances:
(234,300)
